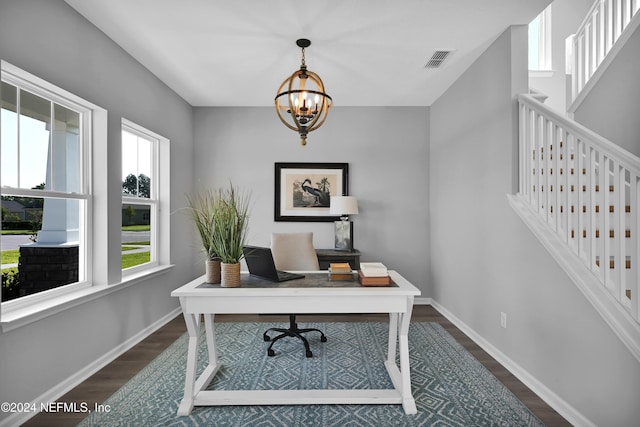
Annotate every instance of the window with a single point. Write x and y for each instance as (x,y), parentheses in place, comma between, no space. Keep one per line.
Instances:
(55,217)
(44,147)
(540,42)
(140,197)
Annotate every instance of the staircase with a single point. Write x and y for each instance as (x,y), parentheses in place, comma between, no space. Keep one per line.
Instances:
(606,28)
(580,193)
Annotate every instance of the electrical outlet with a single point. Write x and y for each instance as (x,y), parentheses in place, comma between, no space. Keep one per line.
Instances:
(503,319)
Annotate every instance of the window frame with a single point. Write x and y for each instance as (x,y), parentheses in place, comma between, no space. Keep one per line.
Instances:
(101,278)
(153,201)
(545,43)
(36,86)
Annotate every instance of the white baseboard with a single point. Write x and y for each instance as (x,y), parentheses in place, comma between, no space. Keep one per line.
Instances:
(422,301)
(552,399)
(53,394)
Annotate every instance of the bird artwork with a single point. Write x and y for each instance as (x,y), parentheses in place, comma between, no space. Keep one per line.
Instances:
(312,196)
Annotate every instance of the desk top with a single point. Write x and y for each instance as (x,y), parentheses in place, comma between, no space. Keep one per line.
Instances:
(310,280)
(314,283)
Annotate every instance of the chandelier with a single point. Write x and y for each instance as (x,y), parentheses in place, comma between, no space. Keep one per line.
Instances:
(301,103)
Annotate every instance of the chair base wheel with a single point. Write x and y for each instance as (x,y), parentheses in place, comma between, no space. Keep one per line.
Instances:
(292,331)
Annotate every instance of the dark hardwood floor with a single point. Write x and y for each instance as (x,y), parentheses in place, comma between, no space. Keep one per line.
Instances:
(108,380)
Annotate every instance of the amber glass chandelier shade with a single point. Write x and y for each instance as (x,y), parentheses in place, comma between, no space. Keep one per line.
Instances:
(302,103)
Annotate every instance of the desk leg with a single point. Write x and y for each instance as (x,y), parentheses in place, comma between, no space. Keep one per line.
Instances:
(211,339)
(393,337)
(193,328)
(408,402)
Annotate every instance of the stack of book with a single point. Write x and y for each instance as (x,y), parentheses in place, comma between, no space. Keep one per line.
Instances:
(373,274)
(340,271)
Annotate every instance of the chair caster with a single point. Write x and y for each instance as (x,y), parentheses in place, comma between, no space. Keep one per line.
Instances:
(271,353)
(266,337)
(309,353)
(323,338)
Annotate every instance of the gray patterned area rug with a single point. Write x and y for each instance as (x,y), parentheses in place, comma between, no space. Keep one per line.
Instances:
(450,386)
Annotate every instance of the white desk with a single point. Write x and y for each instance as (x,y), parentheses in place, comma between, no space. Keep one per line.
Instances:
(314,294)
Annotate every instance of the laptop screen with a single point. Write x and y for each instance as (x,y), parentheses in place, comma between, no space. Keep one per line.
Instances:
(260,263)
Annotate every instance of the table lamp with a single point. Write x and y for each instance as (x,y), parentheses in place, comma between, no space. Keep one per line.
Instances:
(343,206)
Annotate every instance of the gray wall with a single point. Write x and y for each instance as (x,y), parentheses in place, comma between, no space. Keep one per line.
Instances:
(485,261)
(387,151)
(619,90)
(49,39)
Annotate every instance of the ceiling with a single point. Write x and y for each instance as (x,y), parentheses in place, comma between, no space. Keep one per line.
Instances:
(368,53)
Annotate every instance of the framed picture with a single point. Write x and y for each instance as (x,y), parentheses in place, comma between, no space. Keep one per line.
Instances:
(303,190)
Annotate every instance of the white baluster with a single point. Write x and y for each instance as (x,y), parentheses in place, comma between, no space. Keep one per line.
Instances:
(608,252)
(602,40)
(634,253)
(619,214)
(597,221)
(609,27)
(572,200)
(522,144)
(617,27)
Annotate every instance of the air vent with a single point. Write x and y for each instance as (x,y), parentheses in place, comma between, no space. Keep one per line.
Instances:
(438,59)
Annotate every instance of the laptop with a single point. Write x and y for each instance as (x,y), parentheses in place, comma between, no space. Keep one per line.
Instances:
(260,263)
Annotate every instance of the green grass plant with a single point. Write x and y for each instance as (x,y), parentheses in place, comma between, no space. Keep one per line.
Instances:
(230,225)
(131,260)
(128,260)
(136,227)
(10,256)
(204,208)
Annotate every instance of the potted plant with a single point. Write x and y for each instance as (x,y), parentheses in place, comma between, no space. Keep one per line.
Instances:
(203,207)
(231,222)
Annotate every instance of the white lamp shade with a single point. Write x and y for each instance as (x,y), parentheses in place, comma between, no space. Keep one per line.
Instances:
(343,205)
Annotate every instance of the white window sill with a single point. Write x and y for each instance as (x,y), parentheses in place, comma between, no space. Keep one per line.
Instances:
(541,73)
(33,312)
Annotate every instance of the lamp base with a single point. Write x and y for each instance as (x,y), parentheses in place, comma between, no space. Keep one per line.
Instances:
(343,235)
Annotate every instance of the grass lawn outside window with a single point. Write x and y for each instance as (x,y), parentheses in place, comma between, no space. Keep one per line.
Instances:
(133,253)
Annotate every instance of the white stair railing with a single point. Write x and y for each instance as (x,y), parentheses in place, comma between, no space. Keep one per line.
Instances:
(587,191)
(594,39)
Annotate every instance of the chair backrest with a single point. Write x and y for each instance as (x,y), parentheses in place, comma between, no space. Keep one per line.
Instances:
(294,251)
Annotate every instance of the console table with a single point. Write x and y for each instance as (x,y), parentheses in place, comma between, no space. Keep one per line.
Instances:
(311,294)
(327,256)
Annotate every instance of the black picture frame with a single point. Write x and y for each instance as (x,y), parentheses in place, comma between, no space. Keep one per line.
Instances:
(294,202)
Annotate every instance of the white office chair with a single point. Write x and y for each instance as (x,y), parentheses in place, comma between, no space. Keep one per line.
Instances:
(293,251)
